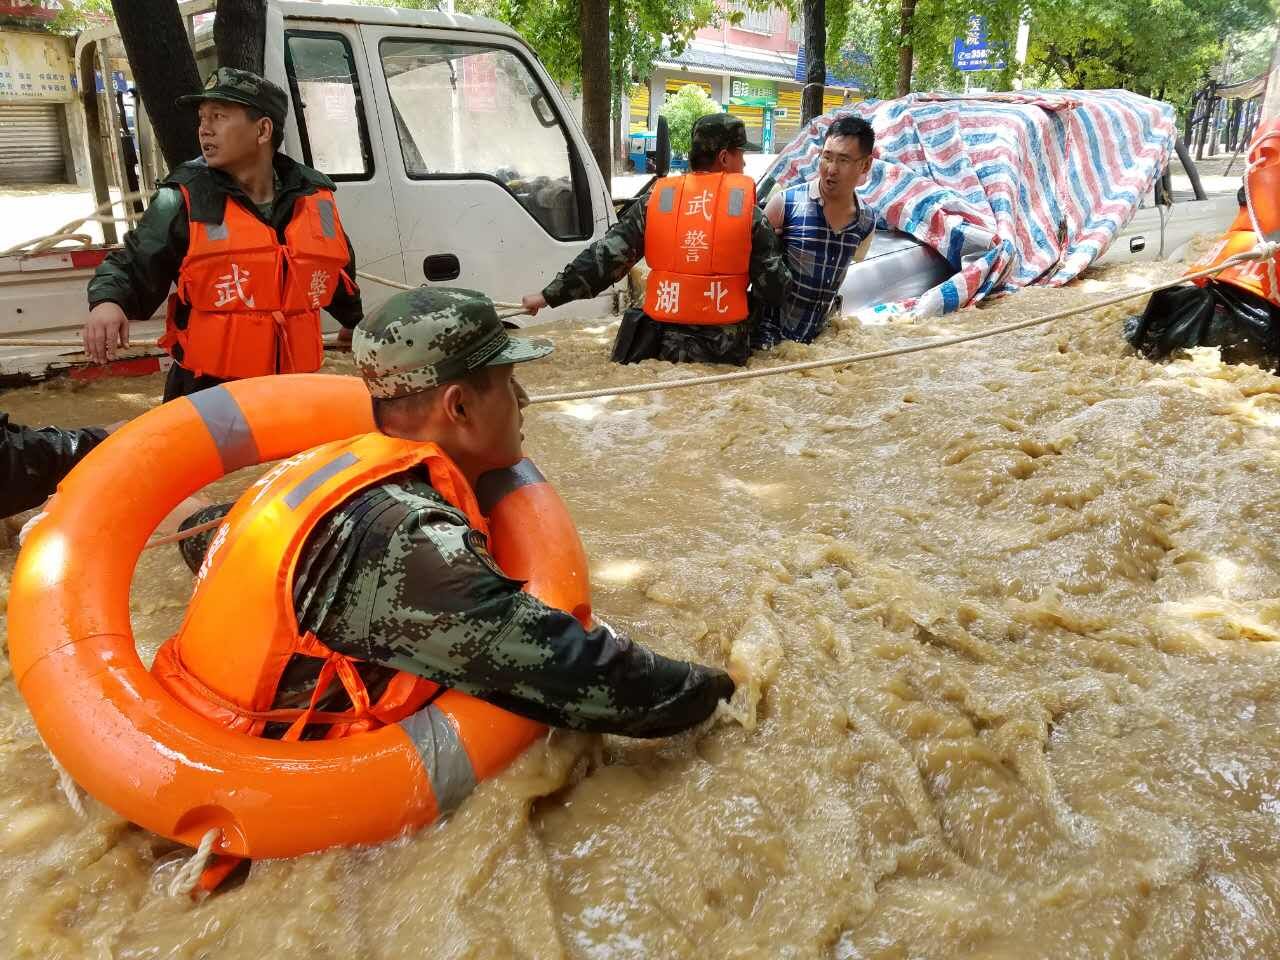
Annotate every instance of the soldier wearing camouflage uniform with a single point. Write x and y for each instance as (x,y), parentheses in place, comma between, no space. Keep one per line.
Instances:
(718,143)
(396,577)
(241,129)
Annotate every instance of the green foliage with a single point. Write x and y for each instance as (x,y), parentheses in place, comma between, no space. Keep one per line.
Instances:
(76,15)
(1162,48)
(682,111)
(1155,47)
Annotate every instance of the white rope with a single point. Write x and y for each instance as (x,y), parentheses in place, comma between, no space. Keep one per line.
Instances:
(1258,252)
(70,789)
(102,214)
(396,284)
(185,880)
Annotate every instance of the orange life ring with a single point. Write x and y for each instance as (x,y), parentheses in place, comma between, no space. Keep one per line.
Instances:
(131,745)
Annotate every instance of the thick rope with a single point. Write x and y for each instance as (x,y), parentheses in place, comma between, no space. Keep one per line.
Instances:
(70,789)
(1257,253)
(396,284)
(102,214)
(329,341)
(185,880)
(190,532)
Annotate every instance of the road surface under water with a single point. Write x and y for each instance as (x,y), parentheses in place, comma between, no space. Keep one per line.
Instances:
(1010,611)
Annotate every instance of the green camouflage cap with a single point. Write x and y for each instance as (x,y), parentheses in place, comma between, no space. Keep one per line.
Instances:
(719,131)
(422,338)
(241,86)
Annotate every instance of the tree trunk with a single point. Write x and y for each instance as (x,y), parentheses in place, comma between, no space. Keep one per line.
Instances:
(239,31)
(815,52)
(593,32)
(906,54)
(163,68)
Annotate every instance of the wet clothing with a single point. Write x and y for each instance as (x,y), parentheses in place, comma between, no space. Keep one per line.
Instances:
(608,259)
(396,577)
(33,461)
(138,277)
(819,258)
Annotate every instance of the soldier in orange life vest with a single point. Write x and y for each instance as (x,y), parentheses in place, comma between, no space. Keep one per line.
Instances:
(251,239)
(368,557)
(706,241)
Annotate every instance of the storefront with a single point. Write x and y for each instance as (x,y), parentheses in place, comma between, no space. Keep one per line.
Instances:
(35,87)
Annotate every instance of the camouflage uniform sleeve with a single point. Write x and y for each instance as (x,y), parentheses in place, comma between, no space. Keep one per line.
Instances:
(604,262)
(770,278)
(429,600)
(139,274)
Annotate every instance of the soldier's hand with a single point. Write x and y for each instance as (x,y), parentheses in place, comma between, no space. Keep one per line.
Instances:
(107,330)
(532,303)
(344,338)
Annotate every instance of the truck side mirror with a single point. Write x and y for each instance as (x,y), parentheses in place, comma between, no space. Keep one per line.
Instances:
(662,148)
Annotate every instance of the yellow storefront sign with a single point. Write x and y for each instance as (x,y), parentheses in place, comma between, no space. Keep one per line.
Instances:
(34,66)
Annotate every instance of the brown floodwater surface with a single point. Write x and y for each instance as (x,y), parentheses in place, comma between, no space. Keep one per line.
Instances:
(1010,615)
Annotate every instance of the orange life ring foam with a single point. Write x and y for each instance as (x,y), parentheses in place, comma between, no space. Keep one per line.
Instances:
(131,745)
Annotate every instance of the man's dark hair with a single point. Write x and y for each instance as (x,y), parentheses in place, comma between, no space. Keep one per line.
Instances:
(854,127)
(277,129)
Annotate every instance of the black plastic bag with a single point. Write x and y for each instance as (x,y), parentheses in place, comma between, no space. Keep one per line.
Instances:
(1245,327)
(32,462)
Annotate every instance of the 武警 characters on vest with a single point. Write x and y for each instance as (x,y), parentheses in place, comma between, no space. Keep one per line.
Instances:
(713,255)
(252,241)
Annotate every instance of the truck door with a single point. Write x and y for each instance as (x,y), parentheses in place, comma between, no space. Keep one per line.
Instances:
(490,178)
(333,128)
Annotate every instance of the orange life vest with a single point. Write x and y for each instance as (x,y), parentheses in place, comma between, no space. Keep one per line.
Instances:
(255,302)
(241,631)
(697,241)
(1259,219)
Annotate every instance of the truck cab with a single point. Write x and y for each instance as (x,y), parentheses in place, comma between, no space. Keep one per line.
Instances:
(456,157)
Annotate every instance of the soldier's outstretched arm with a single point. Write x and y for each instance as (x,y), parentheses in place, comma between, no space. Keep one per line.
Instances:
(603,263)
(433,603)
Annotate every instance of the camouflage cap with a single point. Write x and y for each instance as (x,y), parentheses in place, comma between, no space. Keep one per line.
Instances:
(425,337)
(719,131)
(241,86)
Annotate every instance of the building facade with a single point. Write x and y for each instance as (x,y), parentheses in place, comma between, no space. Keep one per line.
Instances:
(755,68)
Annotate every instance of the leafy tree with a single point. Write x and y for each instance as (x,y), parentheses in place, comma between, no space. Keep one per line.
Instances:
(1161,48)
(682,111)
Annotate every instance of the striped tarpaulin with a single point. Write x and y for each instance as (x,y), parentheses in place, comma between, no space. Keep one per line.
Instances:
(1013,188)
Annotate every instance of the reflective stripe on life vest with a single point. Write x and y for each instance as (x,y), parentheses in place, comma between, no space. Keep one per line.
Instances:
(698,243)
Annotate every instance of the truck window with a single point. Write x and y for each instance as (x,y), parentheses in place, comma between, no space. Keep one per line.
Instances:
(326,100)
(474,111)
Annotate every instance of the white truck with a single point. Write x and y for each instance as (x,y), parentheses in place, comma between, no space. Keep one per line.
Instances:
(456,158)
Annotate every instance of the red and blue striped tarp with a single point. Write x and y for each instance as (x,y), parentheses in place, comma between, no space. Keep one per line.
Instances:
(1012,188)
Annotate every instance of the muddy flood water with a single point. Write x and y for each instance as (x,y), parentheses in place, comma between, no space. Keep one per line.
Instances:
(1011,614)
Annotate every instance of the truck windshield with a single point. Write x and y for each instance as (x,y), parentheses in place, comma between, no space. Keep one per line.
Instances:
(470,110)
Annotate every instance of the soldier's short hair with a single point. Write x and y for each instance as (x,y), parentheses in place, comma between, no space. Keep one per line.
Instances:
(277,129)
(414,406)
